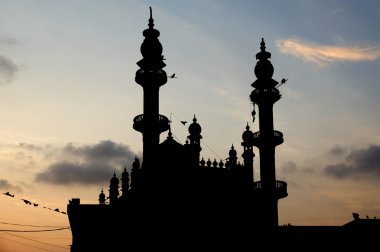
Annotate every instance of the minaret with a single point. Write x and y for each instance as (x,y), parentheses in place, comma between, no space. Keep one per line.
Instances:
(265,95)
(248,154)
(124,182)
(151,77)
(114,189)
(195,141)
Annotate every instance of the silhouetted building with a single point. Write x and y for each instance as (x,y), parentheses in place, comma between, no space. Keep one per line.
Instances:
(175,197)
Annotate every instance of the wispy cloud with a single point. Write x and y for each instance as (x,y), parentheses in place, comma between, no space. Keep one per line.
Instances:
(323,55)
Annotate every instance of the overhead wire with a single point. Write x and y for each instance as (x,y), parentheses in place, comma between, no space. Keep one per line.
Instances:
(41,242)
(27,245)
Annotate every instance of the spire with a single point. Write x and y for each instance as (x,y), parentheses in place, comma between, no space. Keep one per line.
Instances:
(263,55)
(151,24)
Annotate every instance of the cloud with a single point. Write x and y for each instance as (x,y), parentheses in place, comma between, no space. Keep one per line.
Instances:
(66,173)
(323,55)
(289,167)
(338,151)
(5,185)
(88,164)
(8,70)
(363,162)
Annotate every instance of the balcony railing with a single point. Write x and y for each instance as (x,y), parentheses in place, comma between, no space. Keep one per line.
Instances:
(260,94)
(139,124)
(280,191)
(277,138)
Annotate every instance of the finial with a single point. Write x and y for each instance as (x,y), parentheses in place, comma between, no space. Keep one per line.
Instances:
(263,55)
(194,119)
(247,127)
(150,19)
(114,173)
(232,147)
(262,45)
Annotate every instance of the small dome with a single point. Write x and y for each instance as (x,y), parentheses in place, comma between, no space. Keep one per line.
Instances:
(102,195)
(232,152)
(195,128)
(248,136)
(114,180)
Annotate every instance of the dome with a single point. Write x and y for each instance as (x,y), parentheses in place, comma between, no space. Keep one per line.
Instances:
(248,136)
(114,180)
(264,68)
(232,152)
(195,128)
(102,197)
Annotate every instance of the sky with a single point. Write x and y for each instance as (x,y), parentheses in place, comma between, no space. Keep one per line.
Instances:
(68,99)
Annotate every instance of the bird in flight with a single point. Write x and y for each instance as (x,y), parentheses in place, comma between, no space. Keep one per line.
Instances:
(27,201)
(172,76)
(183,122)
(8,194)
(283,81)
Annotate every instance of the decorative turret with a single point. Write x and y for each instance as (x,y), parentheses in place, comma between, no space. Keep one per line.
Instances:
(102,198)
(114,189)
(195,140)
(125,182)
(232,157)
(248,154)
(265,95)
(135,174)
(151,77)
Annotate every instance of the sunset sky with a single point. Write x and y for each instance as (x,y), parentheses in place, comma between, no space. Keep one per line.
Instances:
(68,99)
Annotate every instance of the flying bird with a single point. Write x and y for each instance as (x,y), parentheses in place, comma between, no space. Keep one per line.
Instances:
(34,204)
(172,76)
(57,210)
(183,122)
(26,201)
(8,194)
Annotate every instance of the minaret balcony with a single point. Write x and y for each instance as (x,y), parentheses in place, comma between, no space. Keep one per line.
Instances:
(139,123)
(260,95)
(151,77)
(275,139)
(281,190)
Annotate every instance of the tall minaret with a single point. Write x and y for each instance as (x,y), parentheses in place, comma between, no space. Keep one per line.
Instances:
(151,77)
(265,95)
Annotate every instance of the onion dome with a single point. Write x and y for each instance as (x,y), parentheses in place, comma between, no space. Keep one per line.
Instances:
(264,68)
(114,180)
(151,48)
(221,164)
(202,162)
(195,128)
(215,163)
(102,197)
(248,137)
(209,163)
(232,152)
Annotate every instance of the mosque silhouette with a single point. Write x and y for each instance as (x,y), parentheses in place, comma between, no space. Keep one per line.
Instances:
(174,200)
